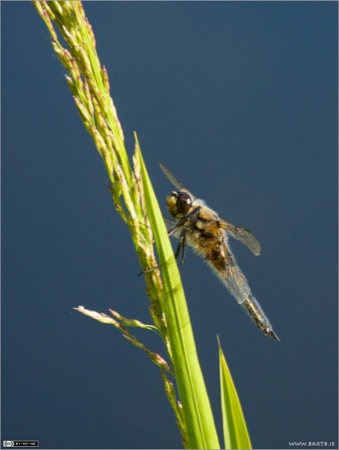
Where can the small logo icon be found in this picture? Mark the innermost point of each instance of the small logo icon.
(28, 443)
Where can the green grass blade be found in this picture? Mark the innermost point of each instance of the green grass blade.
(201, 432)
(234, 425)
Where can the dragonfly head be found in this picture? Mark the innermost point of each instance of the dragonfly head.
(178, 204)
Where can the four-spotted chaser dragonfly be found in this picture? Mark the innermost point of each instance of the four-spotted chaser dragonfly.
(200, 227)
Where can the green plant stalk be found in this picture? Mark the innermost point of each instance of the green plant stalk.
(134, 199)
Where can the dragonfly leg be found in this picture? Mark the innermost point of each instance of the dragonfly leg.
(181, 248)
(143, 272)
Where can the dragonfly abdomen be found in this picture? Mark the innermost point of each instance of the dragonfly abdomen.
(256, 313)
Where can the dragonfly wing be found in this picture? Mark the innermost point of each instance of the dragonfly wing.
(174, 180)
(227, 270)
(236, 282)
(243, 235)
(172, 228)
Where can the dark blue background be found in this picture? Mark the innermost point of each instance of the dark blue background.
(239, 99)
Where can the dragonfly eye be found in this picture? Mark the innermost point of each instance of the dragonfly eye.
(184, 202)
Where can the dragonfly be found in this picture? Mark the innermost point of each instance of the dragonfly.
(207, 234)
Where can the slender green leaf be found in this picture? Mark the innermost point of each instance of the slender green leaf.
(196, 406)
(234, 425)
